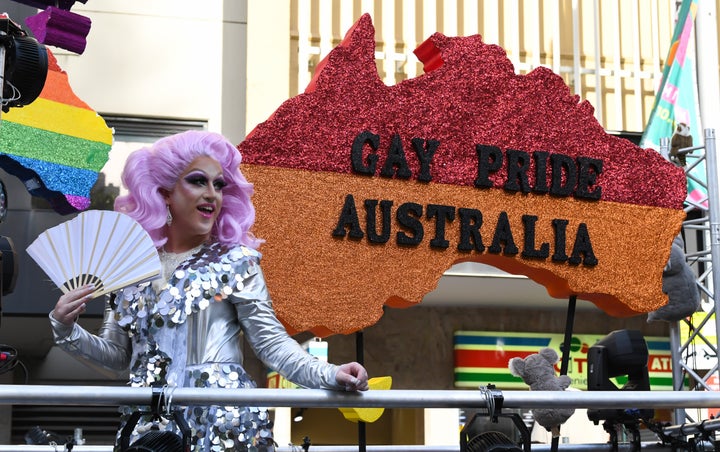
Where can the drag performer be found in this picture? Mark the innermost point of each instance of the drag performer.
(185, 328)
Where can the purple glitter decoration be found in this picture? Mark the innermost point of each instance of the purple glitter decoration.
(60, 28)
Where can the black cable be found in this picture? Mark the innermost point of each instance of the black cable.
(25, 371)
(8, 358)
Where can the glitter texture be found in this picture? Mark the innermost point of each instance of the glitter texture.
(56, 145)
(300, 162)
(57, 27)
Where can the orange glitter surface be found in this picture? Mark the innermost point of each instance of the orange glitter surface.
(468, 152)
(330, 285)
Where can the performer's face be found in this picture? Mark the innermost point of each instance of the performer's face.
(195, 203)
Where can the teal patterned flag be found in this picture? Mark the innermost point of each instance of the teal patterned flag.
(677, 102)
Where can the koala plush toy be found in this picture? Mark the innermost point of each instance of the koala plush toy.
(678, 282)
(538, 372)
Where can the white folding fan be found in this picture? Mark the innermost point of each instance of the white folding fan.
(102, 247)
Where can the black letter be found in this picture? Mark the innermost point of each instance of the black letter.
(485, 165)
(529, 250)
(560, 162)
(425, 157)
(560, 226)
(517, 169)
(590, 169)
(470, 223)
(410, 222)
(396, 157)
(348, 217)
(540, 158)
(583, 246)
(356, 153)
(371, 227)
(503, 234)
(442, 213)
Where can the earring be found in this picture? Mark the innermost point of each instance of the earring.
(169, 217)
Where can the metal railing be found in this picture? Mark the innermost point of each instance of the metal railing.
(649, 447)
(317, 398)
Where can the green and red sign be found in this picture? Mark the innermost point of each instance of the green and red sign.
(481, 358)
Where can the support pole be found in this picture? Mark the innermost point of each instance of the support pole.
(569, 325)
(360, 357)
(714, 212)
(675, 342)
(706, 60)
(677, 371)
(565, 360)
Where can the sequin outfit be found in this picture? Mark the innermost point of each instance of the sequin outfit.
(185, 330)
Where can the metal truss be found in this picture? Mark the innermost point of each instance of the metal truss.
(702, 232)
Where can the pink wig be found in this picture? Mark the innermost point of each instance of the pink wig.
(150, 169)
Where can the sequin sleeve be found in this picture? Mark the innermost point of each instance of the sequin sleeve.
(107, 352)
(271, 343)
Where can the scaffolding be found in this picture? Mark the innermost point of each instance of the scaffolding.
(705, 221)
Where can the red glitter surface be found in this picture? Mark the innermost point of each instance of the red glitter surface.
(471, 97)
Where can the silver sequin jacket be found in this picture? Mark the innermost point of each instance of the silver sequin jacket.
(196, 319)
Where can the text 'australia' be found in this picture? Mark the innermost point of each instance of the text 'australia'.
(524, 172)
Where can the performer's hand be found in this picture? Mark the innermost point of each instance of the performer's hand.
(72, 304)
(353, 377)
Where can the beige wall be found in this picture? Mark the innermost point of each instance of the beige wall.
(165, 58)
(268, 56)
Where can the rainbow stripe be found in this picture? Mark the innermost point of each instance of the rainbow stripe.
(57, 144)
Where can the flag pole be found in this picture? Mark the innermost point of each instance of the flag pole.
(708, 78)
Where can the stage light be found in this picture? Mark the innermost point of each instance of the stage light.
(299, 415)
(9, 270)
(492, 441)
(493, 433)
(24, 65)
(39, 436)
(621, 353)
(8, 258)
(157, 440)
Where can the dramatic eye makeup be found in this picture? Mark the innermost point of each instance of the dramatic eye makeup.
(219, 183)
(196, 179)
(200, 179)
